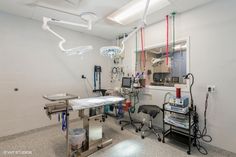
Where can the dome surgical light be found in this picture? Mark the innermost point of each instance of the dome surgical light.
(87, 17)
(112, 51)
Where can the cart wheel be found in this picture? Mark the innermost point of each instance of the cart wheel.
(159, 139)
(122, 128)
(142, 137)
(188, 152)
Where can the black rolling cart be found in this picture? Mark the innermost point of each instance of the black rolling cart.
(185, 132)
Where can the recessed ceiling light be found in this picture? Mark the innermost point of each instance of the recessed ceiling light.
(134, 10)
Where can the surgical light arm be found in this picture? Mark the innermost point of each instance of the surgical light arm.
(71, 51)
(130, 35)
(143, 23)
(120, 50)
(88, 25)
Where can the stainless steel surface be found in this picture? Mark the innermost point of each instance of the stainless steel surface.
(60, 97)
(81, 114)
(93, 126)
(78, 104)
(95, 129)
(62, 105)
(54, 108)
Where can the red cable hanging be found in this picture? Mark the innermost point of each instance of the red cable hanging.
(167, 38)
(142, 45)
(144, 48)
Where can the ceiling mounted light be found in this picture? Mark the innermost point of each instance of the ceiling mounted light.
(134, 10)
(77, 50)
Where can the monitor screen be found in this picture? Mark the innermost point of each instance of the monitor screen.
(126, 82)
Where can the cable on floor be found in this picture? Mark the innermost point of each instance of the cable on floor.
(202, 135)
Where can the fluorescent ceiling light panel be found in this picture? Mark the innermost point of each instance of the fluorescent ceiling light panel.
(134, 10)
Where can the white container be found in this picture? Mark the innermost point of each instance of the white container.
(77, 136)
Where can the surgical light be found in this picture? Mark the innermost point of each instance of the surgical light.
(110, 51)
(87, 17)
(134, 10)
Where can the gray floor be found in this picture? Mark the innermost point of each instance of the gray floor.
(50, 142)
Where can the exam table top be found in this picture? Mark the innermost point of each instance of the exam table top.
(59, 97)
(79, 104)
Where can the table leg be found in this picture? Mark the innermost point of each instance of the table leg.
(67, 129)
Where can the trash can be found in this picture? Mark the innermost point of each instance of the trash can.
(77, 136)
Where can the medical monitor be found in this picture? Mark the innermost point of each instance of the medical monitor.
(126, 82)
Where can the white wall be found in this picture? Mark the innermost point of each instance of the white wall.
(31, 61)
(212, 31)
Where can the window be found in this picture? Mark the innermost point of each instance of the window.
(157, 71)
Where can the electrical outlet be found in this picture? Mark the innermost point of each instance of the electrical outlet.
(211, 88)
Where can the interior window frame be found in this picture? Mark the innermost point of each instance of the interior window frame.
(184, 87)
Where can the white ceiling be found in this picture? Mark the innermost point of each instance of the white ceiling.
(102, 27)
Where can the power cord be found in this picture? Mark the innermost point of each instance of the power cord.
(198, 134)
(202, 135)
